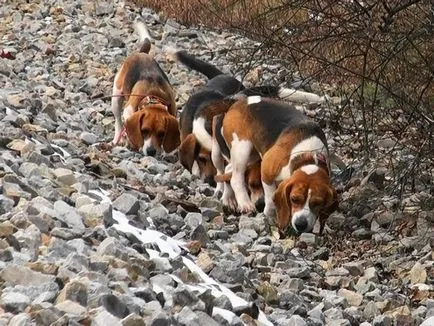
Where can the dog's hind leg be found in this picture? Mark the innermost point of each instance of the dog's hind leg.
(117, 102)
(241, 151)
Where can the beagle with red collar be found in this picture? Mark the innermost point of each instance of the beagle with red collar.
(143, 93)
(295, 168)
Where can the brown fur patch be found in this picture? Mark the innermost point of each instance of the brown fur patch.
(237, 120)
(188, 151)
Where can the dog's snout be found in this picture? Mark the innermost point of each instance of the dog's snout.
(151, 151)
(260, 204)
(210, 180)
(300, 225)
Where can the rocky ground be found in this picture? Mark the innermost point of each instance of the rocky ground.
(108, 237)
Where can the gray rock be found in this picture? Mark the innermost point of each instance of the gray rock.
(134, 320)
(339, 322)
(104, 318)
(15, 301)
(333, 314)
(114, 306)
(88, 138)
(20, 320)
(298, 272)
(308, 238)
(194, 219)
(65, 176)
(94, 214)
(228, 272)
(71, 308)
(199, 234)
(362, 234)
(127, 204)
(75, 290)
(316, 313)
(383, 320)
(371, 311)
(354, 268)
(289, 300)
(113, 247)
(322, 253)
(68, 215)
(162, 265)
(296, 320)
(427, 322)
(34, 291)
(20, 275)
(6, 204)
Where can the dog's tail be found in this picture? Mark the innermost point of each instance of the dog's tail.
(287, 94)
(205, 68)
(144, 37)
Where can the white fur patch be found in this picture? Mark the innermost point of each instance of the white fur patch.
(142, 31)
(240, 157)
(195, 169)
(116, 109)
(294, 95)
(128, 112)
(309, 145)
(253, 99)
(284, 173)
(202, 135)
(269, 190)
(146, 145)
(310, 169)
(304, 214)
(171, 52)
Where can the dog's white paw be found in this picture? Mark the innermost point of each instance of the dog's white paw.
(246, 207)
(269, 211)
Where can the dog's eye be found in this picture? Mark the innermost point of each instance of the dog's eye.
(160, 134)
(201, 159)
(145, 132)
(296, 200)
(315, 203)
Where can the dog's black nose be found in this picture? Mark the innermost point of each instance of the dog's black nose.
(151, 151)
(300, 225)
(260, 204)
(210, 180)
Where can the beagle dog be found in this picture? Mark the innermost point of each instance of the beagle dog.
(196, 117)
(149, 110)
(295, 168)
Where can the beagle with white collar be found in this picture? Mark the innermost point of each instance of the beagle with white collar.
(295, 168)
(150, 109)
(196, 117)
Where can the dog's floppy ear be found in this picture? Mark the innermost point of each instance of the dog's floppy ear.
(332, 204)
(188, 151)
(171, 136)
(283, 204)
(133, 127)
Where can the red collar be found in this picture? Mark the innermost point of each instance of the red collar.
(301, 160)
(152, 99)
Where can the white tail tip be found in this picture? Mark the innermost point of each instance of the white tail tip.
(142, 31)
(298, 96)
(171, 53)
